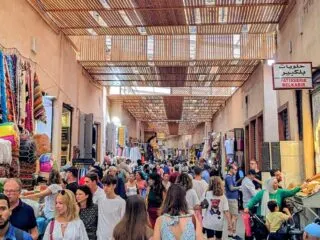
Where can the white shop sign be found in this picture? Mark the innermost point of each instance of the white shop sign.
(292, 75)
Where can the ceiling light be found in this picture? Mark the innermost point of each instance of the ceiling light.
(91, 31)
(96, 16)
(116, 121)
(245, 28)
(142, 30)
(270, 62)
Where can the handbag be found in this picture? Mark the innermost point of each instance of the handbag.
(51, 229)
(204, 204)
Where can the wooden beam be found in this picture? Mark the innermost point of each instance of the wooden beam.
(162, 80)
(283, 3)
(161, 74)
(202, 24)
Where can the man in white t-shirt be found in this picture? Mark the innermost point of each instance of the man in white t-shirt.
(198, 184)
(91, 180)
(111, 209)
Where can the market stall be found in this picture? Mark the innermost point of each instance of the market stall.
(21, 106)
(309, 200)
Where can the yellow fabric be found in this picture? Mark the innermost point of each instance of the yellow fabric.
(275, 219)
(7, 129)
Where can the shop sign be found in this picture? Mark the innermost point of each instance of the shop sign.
(292, 75)
(161, 135)
(121, 136)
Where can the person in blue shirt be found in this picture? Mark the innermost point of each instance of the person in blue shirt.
(232, 194)
(7, 231)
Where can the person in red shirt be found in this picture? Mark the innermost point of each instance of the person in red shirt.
(175, 174)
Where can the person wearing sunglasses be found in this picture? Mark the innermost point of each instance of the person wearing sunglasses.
(67, 225)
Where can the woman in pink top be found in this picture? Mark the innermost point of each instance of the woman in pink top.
(141, 183)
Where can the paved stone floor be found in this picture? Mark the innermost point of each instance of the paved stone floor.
(240, 229)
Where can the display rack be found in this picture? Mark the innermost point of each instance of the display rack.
(311, 206)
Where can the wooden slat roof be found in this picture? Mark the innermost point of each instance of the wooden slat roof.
(182, 44)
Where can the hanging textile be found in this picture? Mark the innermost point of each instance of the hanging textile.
(27, 160)
(3, 97)
(29, 99)
(39, 111)
(135, 154)
(5, 152)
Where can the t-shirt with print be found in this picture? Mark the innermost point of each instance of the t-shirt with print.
(213, 217)
(49, 201)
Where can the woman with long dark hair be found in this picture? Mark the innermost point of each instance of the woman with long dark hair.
(175, 221)
(88, 211)
(133, 225)
(155, 196)
(141, 183)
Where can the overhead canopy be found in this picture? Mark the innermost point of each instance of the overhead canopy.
(169, 44)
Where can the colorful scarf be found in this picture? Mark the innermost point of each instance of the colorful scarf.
(29, 100)
(39, 110)
(3, 97)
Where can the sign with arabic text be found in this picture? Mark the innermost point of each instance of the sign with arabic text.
(121, 136)
(292, 75)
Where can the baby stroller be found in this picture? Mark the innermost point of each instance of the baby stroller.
(257, 227)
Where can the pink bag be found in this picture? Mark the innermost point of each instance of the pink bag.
(10, 138)
(247, 225)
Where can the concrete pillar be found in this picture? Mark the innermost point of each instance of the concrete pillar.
(56, 131)
(105, 112)
(207, 129)
(270, 110)
(308, 143)
(117, 109)
(138, 128)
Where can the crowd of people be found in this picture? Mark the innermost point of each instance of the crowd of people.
(162, 201)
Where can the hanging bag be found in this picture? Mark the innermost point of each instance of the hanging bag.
(51, 229)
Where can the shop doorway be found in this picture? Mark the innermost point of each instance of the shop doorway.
(96, 140)
(66, 129)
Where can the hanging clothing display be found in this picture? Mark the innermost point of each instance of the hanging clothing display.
(135, 154)
(126, 152)
(39, 110)
(229, 145)
(5, 152)
(20, 105)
